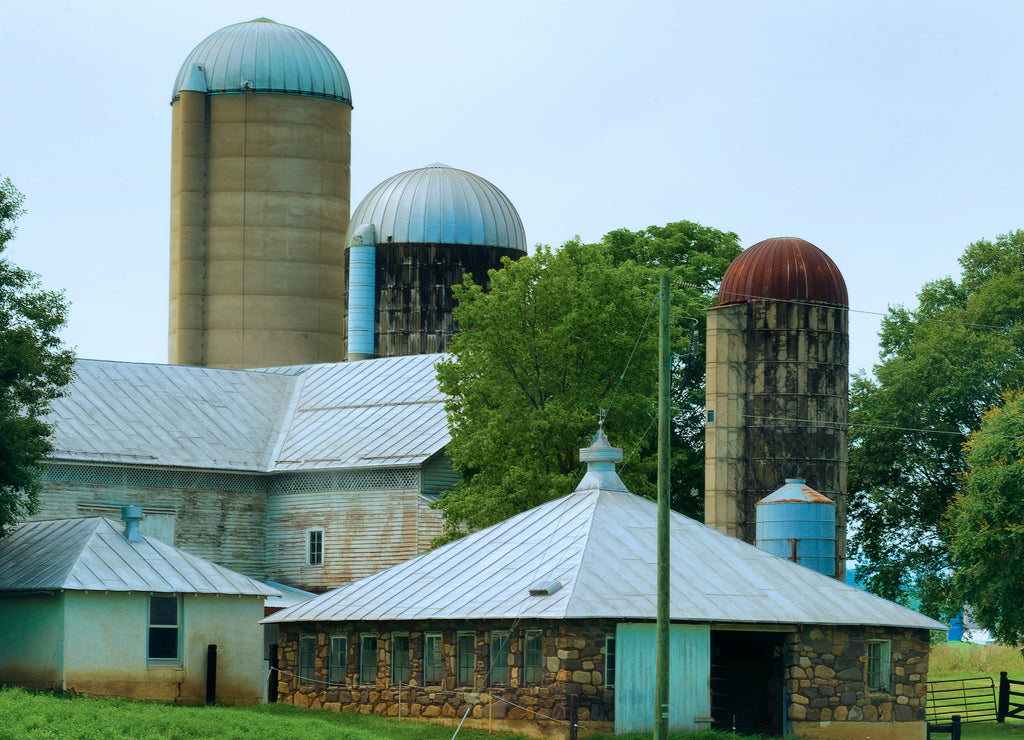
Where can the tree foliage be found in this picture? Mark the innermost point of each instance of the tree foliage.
(35, 368)
(561, 335)
(986, 524)
(941, 366)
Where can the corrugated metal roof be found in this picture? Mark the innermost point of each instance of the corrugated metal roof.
(439, 204)
(93, 554)
(374, 413)
(785, 268)
(600, 545)
(263, 56)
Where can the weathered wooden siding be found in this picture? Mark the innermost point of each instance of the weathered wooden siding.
(437, 476)
(689, 677)
(364, 531)
(224, 526)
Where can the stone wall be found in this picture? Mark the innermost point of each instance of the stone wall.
(827, 693)
(573, 664)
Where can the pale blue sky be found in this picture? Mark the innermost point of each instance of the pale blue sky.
(884, 132)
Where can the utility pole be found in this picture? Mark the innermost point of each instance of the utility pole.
(664, 429)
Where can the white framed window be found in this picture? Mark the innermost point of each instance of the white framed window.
(307, 657)
(533, 656)
(433, 665)
(339, 660)
(609, 661)
(368, 659)
(876, 671)
(400, 666)
(164, 621)
(499, 658)
(315, 546)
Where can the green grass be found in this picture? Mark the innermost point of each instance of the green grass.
(965, 659)
(35, 715)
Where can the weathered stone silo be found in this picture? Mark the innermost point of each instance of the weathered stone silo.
(413, 237)
(777, 384)
(259, 200)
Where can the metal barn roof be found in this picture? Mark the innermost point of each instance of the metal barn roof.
(599, 543)
(93, 554)
(263, 56)
(369, 414)
(438, 204)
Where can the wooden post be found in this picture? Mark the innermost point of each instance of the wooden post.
(211, 674)
(954, 729)
(274, 676)
(664, 495)
(574, 714)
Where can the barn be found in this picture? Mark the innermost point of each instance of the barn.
(92, 606)
(506, 625)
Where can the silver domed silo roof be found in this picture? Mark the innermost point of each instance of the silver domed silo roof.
(263, 56)
(438, 204)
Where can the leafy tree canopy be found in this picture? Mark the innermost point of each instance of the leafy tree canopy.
(941, 366)
(35, 368)
(559, 336)
(986, 524)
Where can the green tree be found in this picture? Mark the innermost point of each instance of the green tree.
(559, 336)
(986, 524)
(941, 366)
(35, 368)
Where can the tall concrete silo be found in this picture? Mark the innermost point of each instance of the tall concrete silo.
(410, 239)
(777, 384)
(259, 200)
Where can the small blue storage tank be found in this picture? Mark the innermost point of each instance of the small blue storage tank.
(798, 523)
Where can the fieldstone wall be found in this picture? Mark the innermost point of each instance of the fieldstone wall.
(573, 664)
(826, 671)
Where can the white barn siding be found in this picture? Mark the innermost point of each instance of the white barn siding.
(364, 532)
(227, 527)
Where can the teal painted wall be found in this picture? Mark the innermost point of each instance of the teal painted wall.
(32, 641)
(689, 677)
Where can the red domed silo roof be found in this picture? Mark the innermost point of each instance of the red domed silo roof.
(785, 268)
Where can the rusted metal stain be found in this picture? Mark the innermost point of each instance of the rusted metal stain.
(785, 268)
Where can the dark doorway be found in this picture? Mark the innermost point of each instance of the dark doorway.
(746, 681)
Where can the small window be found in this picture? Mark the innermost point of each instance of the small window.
(399, 659)
(368, 659)
(164, 635)
(609, 661)
(533, 656)
(467, 658)
(433, 665)
(315, 546)
(499, 658)
(339, 660)
(877, 669)
(307, 657)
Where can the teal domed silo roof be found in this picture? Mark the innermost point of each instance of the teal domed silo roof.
(438, 204)
(263, 56)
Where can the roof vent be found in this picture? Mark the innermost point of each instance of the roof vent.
(131, 516)
(544, 588)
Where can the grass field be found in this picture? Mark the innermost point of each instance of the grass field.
(35, 716)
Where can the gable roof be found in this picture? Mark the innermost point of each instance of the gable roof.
(374, 413)
(599, 543)
(93, 554)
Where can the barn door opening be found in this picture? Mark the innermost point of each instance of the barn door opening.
(747, 681)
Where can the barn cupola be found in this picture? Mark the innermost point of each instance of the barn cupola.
(601, 458)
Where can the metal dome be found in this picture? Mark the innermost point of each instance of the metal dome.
(439, 204)
(263, 56)
(785, 268)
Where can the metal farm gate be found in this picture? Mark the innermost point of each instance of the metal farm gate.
(689, 677)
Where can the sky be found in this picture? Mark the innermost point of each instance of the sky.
(886, 133)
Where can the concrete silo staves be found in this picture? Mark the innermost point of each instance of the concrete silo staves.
(259, 200)
(777, 384)
(411, 238)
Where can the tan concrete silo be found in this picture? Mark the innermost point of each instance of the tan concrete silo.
(777, 384)
(259, 200)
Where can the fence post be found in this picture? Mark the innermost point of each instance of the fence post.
(211, 674)
(954, 729)
(1004, 698)
(574, 714)
(273, 678)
